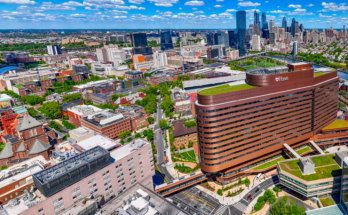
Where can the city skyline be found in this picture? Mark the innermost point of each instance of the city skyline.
(133, 14)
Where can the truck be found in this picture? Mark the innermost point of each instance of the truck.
(165, 156)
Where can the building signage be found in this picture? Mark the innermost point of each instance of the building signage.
(280, 78)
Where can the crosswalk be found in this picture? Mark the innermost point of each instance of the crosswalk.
(221, 210)
(240, 206)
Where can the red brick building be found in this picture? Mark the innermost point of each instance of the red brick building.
(182, 135)
(137, 114)
(76, 113)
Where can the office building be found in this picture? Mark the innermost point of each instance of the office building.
(231, 38)
(122, 38)
(271, 25)
(296, 27)
(265, 34)
(315, 38)
(142, 51)
(160, 59)
(284, 24)
(301, 28)
(272, 38)
(256, 43)
(264, 22)
(182, 135)
(293, 28)
(257, 20)
(233, 135)
(256, 30)
(54, 50)
(295, 48)
(216, 51)
(138, 39)
(116, 55)
(166, 41)
(80, 68)
(76, 113)
(251, 29)
(97, 173)
(102, 55)
(219, 38)
(240, 34)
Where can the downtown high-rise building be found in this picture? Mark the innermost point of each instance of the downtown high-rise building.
(294, 48)
(219, 38)
(272, 38)
(240, 34)
(284, 23)
(293, 27)
(231, 38)
(257, 19)
(54, 50)
(166, 40)
(271, 25)
(265, 34)
(301, 28)
(256, 43)
(264, 21)
(138, 39)
(344, 31)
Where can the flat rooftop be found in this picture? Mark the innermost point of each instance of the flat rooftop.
(127, 149)
(325, 167)
(338, 123)
(93, 83)
(98, 140)
(159, 203)
(83, 110)
(20, 176)
(226, 88)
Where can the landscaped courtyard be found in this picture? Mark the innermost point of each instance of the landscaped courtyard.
(265, 64)
(250, 67)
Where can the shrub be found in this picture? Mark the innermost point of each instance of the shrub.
(137, 135)
(122, 141)
(219, 192)
(129, 139)
(261, 199)
(258, 206)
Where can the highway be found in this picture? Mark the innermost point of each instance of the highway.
(160, 143)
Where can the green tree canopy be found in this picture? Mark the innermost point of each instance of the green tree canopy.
(51, 110)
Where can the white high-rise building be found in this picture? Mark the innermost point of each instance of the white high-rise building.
(54, 50)
(116, 55)
(271, 24)
(295, 48)
(315, 38)
(256, 42)
(160, 59)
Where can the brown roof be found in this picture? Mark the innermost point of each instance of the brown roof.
(180, 129)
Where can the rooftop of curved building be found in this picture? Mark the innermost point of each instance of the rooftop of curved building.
(9, 68)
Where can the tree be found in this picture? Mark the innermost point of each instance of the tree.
(137, 135)
(247, 182)
(122, 141)
(129, 139)
(145, 133)
(123, 134)
(261, 199)
(149, 134)
(72, 97)
(167, 105)
(269, 196)
(51, 110)
(147, 75)
(276, 189)
(150, 119)
(239, 181)
(68, 124)
(88, 102)
(55, 125)
(258, 206)
(33, 100)
(163, 123)
(32, 112)
(189, 124)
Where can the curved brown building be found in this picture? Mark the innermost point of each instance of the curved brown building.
(242, 124)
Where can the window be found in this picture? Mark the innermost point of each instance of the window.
(73, 191)
(60, 199)
(139, 154)
(55, 202)
(16, 186)
(16, 194)
(40, 210)
(139, 159)
(5, 198)
(56, 208)
(150, 152)
(79, 194)
(141, 167)
(61, 205)
(30, 133)
(77, 189)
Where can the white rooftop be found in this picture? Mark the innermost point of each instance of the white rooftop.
(4, 97)
(19, 176)
(125, 150)
(84, 110)
(140, 203)
(299, 63)
(94, 83)
(97, 140)
(182, 103)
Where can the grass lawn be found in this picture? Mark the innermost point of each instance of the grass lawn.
(327, 201)
(269, 164)
(304, 150)
(225, 89)
(325, 171)
(192, 153)
(265, 64)
(250, 67)
(319, 74)
(339, 123)
(2, 146)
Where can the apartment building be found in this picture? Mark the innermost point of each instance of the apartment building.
(182, 135)
(76, 113)
(95, 172)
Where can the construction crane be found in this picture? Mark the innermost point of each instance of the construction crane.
(209, 46)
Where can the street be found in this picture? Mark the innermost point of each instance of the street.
(160, 144)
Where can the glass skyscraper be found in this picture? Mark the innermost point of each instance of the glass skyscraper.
(257, 19)
(240, 34)
(231, 38)
(293, 27)
(219, 38)
(284, 24)
(166, 41)
(138, 40)
(264, 21)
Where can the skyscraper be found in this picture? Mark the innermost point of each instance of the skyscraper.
(296, 27)
(138, 40)
(272, 38)
(294, 48)
(265, 34)
(54, 50)
(241, 32)
(256, 42)
(284, 23)
(257, 19)
(219, 38)
(264, 21)
(301, 28)
(293, 27)
(344, 31)
(231, 38)
(166, 40)
(271, 24)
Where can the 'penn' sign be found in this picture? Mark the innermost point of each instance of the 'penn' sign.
(280, 78)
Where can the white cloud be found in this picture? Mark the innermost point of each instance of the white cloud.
(8, 17)
(99, 13)
(220, 0)
(295, 6)
(100, 2)
(194, 8)
(195, 3)
(310, 5)
(218, 5)
(45, 6)
(92, 9)
(78, 15)
(300, 12)
(266, 1)
(248, 4)
(73, 4)
(278, 11)
(132, 7)
(180, 8)
(163, 5)
(231, 10)
(116, 12)
(323, 16)
(186, 14)
(18, 2)
(333, 7)
(120, 17)
(196, 12)
(136, 1)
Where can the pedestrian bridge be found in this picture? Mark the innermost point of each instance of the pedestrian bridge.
(180, 183)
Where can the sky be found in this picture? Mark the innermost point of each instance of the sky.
(165, 14)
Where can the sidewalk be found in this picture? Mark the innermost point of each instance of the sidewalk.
(231, 200)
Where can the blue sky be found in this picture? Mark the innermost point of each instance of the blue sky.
(154, 14)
